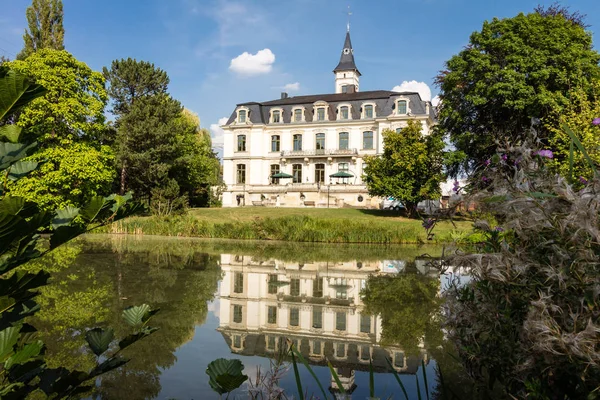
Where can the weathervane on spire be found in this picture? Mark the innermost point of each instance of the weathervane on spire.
(348, 24)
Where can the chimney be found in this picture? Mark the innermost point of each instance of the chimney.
(284, 95)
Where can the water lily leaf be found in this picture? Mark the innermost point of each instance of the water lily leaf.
(28, 352)
(64, 216)
(10, 132)
(134, 315)
(99, 339)
(21, 169)
(225, 375)
(17, 91)
(93, 208)
(134, 337)
(10, 153)
(8, 338)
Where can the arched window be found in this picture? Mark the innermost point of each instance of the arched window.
(401, 110)
(320, 141)
(343, 142)
(241, 116)
(241, 143)
(298, 115)
(275, 143)
(297, 142)
(369, 111)
(321, 114)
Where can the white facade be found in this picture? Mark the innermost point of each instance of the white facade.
(311, 138)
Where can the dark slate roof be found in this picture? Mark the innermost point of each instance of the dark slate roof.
(383, 99)
(347, 60)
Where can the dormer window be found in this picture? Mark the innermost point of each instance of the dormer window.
(344, 112)
(242, 116)
(368, 111)
(401, 108)
(276, 116)
(321, 114)
(297, 115)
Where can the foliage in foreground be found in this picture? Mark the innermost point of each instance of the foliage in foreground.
(410, 168)
(529, 318)
(23, 369)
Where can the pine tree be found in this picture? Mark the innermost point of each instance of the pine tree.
(46, 30)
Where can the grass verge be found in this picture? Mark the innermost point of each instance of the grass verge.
(315, 225)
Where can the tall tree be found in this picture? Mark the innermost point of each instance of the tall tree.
(68, 123)
(148, 142)
(514, 71)
(46, 30)
(410, 168)
(129, 80)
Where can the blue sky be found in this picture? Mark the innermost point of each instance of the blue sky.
(290, 42)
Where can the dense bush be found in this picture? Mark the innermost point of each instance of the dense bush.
(529, 317)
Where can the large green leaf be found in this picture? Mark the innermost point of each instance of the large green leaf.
(96, 206)
(16, 91)
(99, 339)
(24, 355)
(134, 315)
(64, 216)
(63, 234)
(108, 365)
(8, 338)
(10, 153)
(10, 132)
(21, 169)
(134, 337)
(225, 375)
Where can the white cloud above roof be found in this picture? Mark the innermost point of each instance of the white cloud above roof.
(435, 101)
(292, 87)
(413, 86)
(247, 64)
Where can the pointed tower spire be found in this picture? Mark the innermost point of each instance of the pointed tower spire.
(347, 58)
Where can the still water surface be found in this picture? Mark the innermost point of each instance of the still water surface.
(239, 300)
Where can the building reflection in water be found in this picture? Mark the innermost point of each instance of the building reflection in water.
(315, 305)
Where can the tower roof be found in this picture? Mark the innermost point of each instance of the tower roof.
(347, 59)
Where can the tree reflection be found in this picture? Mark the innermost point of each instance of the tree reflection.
(93, 287)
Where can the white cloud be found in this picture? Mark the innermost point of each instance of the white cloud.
(292, 87)
(216, 133)
(413, 86)
(435, 101)
(247, 64)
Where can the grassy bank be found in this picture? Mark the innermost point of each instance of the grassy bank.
(297, 225)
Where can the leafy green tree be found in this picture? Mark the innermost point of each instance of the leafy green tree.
(68, 123)
(410, 168)
(512, 72)
(23, 369)
(578, 114)
(128, 80)
(72, 108)
(199, 164)
(148, 139)
(46, 30)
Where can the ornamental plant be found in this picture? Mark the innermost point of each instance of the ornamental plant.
(23, 369)
(528, 318)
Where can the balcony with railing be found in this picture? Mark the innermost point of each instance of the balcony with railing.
(319, 153)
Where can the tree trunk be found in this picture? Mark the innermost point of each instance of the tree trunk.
(123, 177)
(411, 209)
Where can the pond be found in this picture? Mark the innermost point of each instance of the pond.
(247, 300)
